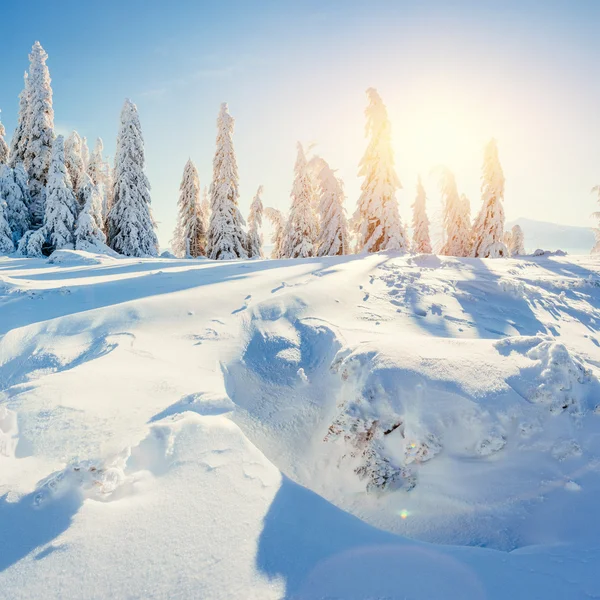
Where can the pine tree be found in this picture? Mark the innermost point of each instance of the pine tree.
(254, 239)
(456, 219)
(39, 130)
(131, 227)
(333, 238)
(420, 223)
(85, 153)
(101, 174)
(488, 230)
(189, 238)
(6, 238)
(19, 139)
(205, 208)
(516, 245)
(278, 221)
(88, 231)
(74, 160)
(301, 227)
(225, 232)
(376, 220)
(14, 193)
(61, 204)
(3, 146)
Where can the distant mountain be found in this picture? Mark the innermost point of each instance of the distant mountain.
(551, 236)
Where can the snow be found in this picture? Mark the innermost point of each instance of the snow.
(376, 426)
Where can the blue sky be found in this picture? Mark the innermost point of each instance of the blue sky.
(452, 73)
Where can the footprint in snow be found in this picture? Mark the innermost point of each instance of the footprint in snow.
(279, 287)
(242, 308)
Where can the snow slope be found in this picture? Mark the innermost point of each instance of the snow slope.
(348, 427)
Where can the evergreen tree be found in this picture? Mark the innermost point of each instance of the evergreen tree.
(488, 231)
(278, 221)
(254, 239)
(516, 245)
(101, 174)
(333, 238)
(61, 204)
(3, 146)
(19, 139)
(376, 220)
(88, 231)
(456, 219)
(205, 208)
(225, 232)
(39, 130)
(189, 238)
(74, 160)
(85, 153)
(6, 238)
(420, 222)
(301, 227)
(131, 227)
(14, 194)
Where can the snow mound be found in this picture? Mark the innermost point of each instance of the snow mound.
(9, 432)
(81, 257)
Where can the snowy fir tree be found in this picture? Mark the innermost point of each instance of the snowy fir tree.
(376, 220)
(488, 230)
(3, 145)
(39, 131)
(278, 221)
(74, 160)
(131, 227)
(301, 227)
(421, 242)
(100, 173)
(333, 238)
(85, 153)
(189, 238)
(61, 204)
(205, 208)
(456, 217)
(19, 139)
(89, 234)
(14, 195)
(6, 240)
(226, 235)
(516, 241)
(254, 238)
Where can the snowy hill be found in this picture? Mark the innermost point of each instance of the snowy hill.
(354, 427)
(552, 236)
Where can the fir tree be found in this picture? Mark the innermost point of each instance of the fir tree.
(488, 231)
(61, 204)
(516, 245)
(376, 220)
(3, 146)
(333, 237)
(131, 227)
(278, 221)
(19, 139)
(14, 193)
(456, 219)
(85, 153)
(89, 235)
(74, 160)
(39, 130)
(205, 208)
(6, 238)
(301, 227)
(254, 239)
(420, 223)
(189, 238)
(225, 232)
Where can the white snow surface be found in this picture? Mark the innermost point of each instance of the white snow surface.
(381, 427)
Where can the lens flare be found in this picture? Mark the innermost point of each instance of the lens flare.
(403, 514)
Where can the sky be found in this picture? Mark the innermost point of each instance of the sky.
(452, 73)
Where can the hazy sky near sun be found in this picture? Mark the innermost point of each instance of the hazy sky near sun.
(452, 74)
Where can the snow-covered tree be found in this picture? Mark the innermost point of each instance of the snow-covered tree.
(226, 235)
(456, 217)
(301, 227)
(516, 241)
(333, 237)
(421, 242)
(19, 139)
(74, 160)
(14, 193)
(131, 227)
(6, 239)
(189, 238)
(205, 208)
(101, 174)
(61, 204)
(3, 146)
(278, 221)
(88, 231)
(85, 153)
(39, 130)
(488, 230)
(254, 239)
(376, 220)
